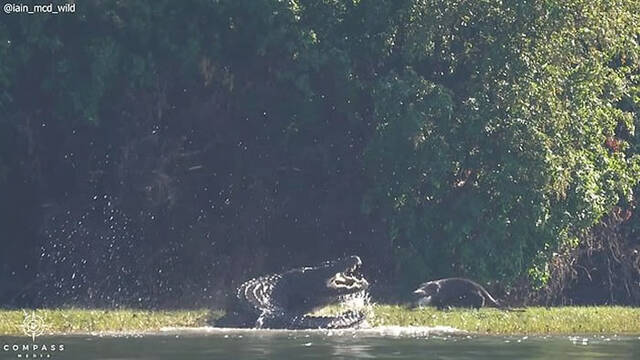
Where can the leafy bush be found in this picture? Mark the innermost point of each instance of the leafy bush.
(239, 137)
(494, 140)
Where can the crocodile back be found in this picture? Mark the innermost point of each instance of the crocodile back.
(257, 293)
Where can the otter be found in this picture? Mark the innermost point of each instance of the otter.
(454, 292)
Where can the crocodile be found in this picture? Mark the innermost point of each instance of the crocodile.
(284, 300)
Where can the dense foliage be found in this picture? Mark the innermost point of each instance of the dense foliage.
(156, 153)
(506, 136)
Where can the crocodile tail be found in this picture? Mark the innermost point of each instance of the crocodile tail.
(344, 320)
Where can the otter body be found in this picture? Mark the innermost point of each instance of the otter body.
(454, 292)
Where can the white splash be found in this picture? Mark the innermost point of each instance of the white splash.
(378, 331)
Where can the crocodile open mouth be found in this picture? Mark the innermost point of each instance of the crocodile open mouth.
(349, 279)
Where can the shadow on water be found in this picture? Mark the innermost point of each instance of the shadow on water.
(266, 344)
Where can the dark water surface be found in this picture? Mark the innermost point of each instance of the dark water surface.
(325, 345)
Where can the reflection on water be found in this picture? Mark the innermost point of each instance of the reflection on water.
(369, 344)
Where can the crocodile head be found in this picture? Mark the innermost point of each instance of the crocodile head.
(347, 279)
(312, 287)
(286, 299)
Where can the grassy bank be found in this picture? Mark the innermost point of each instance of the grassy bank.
(84, 321)
(534, 320)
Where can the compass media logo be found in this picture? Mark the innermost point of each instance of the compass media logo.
(33, 325)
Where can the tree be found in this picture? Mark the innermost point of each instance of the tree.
(491, 144)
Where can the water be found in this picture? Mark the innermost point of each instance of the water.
(371, 344)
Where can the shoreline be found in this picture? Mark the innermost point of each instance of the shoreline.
(569, 320)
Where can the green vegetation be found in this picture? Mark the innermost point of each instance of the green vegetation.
(504, 135)
(234, 137)
(87, 321)
(533, 320)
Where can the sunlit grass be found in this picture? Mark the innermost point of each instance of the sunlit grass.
(532, 320)
(87, 321)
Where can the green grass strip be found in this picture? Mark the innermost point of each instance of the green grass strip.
(87, 321)
(533, 320)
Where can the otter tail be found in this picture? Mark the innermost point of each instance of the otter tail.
(492, 301)
(495, 303)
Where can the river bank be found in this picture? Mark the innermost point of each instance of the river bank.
(529, 321)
